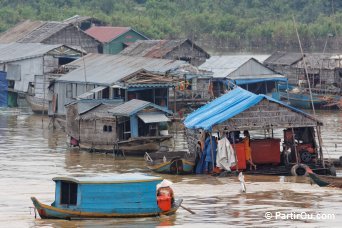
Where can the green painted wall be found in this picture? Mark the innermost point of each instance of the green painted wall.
(117, 45)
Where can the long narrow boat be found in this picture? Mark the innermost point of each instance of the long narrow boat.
(325, 181)
(303, 100)
(170, 162)
(122, 195)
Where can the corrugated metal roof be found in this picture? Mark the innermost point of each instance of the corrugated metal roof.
(91, 92)
(85, 107)
(99, 112)
(16, 51)
(130, 107)
(320, 61)
(77, 19)
(108, 69)
(106, 33)
(133, 106)
(153, 117)
(19, 31)
(43, 32)
(155, 48)
(228, 106)
(238, 67)
(283, 58)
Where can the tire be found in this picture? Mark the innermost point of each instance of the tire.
(299, 170)
(305, 156)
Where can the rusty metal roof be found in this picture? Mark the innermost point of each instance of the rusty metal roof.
(104, 69)
(32, 31)
(106, 33)
(156, 48)
(45, 31)
(19, 31)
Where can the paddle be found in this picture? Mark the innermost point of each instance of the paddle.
(187, 209)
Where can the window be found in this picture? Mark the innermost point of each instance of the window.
(68, 91)
(107, 128)
(68, 193)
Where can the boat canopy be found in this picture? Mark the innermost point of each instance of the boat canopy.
(229, 105)
(118, 178)
(153, 117)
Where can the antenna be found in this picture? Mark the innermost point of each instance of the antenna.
(305, 66)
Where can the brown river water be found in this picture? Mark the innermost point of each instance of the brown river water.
(31, 154)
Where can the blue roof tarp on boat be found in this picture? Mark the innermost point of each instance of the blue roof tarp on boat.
(225, 107)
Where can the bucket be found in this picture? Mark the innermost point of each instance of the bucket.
(164, 202)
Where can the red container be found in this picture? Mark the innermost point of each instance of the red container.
(241, 156)
(266, 151)
(164, 203)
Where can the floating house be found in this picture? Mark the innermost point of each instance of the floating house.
(320, 73)
(241, 110)
(183, 49)
(103, 76)
(133, 127)
(30, 67)
(115, 39)
(241, 70)
(51, 32)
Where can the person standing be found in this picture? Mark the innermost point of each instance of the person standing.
(248, 150)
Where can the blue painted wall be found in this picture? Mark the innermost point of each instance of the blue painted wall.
(125, 198)
(3, 89)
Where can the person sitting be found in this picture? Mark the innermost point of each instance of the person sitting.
(164, 189)
(248, 150)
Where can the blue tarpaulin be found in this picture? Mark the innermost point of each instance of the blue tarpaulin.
(3, 89)
(226, 107)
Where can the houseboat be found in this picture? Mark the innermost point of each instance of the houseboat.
(318, 72)
(122, 195)
(132, 127)
(241, 110)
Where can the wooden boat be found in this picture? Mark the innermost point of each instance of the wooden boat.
(170, 162)
(122, 195)
(303, 100)
(38, 105)
(325, 181)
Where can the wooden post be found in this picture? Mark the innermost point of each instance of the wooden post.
(211, 150)
(236, 159)
(294, 143)
(320, 144)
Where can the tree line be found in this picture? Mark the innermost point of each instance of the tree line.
(218, 25)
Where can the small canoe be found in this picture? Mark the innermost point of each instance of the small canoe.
(171, 162)
(325, 181)
(119, 196)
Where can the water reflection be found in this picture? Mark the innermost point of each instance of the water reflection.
(31, 154)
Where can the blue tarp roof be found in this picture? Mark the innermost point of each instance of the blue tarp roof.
(226, 107)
